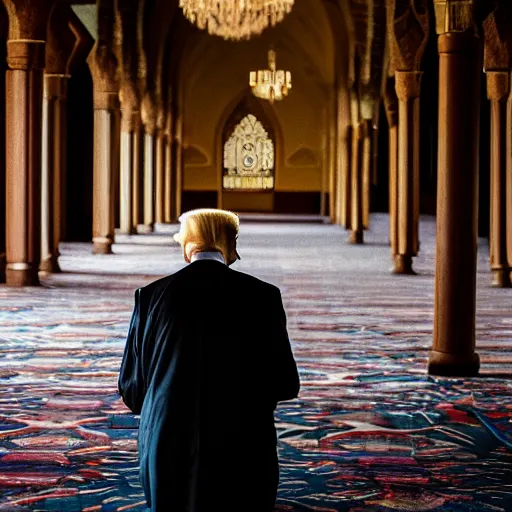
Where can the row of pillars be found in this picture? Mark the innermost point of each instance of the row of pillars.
(126, 154)
(460, 64)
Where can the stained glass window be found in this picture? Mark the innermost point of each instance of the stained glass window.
(249, 157)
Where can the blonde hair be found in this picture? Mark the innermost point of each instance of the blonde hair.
(209, 230)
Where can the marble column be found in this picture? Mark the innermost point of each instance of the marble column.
(106, 149)
(54, 167)
(24, 100)
(498, 89)
(453, 351)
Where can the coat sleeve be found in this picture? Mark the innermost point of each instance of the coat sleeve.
(286, 376)
(131, 381)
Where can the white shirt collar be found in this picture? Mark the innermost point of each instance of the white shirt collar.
(208, 255)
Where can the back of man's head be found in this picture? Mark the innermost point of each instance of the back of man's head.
(209, 230)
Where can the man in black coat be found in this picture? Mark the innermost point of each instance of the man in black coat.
(206, 361)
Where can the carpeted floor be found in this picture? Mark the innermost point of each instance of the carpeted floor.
(370, 431)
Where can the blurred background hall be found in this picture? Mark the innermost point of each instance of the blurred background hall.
(365, 144)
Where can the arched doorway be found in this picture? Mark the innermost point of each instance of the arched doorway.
(248, 160)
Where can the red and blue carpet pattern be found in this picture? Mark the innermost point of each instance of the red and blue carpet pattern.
(370, 431)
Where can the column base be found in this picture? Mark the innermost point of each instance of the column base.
(501, 278)
(102, 246)
(453, 365)
(18, 277)
(145, 229)
(50, 265)
(356, 237)
(403, 265)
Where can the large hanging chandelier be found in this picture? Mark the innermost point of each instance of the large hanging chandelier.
(235, 19)
(270, 84)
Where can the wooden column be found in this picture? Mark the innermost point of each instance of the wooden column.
(359, 128)
(391, 105)
(137, 178)
(498, 89)
(178, 155)
(453, 351)
(128, 59)
(168, 172)
(160, 143)
(497, 33)
(130, 159)
(54, 168)
(106, 145)
(24, 98)
(408, 205)
(405, 18)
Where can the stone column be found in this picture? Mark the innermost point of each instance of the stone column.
(66, 39)
(391, 105)
(332, 146)
(406, 51)
(498, 89)
(498, 38)
(160, 151)
(453, 351)
(130, 159)
(168, 172)
(408, 205)
(24, 100)
(346, 179)
(359, 134)
(137, 178)
(106, 145)
(178, 158)
(149, 120)
(128, 58)
(54, 168)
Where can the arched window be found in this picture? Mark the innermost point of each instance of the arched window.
(248, 157)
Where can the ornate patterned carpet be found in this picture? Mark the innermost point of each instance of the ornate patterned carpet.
(370, 431)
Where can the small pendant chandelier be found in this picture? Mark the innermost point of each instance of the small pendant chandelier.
(235, 19)
(270, 84)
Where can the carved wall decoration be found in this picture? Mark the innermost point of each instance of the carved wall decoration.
(249, 157)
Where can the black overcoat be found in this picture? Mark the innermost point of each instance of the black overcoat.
(206, 361)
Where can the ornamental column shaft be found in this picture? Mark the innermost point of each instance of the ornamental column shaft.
(54, 168)
(453, 351)
(160, 151)
(391, 105)
(106, 146)
(408, 26)
(168, 171)
(356, 187)
(24, 99)
(498, 89)
(407, 85)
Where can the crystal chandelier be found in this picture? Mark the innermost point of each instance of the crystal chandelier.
(235, 19)
(270, 84)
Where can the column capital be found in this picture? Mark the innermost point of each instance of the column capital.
(498, 85)
(56, 86)
(25, 54)
(130, 107)
(103, 66)
(408, 84)
(497, 33)
(149, 113)
(28, 19)
(408, 26)
(454, 16)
